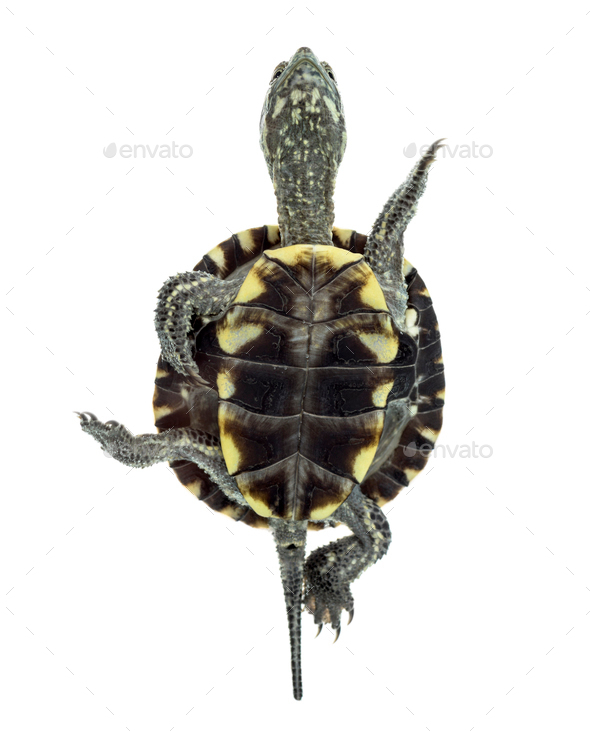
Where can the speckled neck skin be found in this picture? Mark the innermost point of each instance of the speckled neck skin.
(303, 137)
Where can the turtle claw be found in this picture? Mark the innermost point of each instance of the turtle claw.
(85, 416)
(350, 616)
(326, 606)
(114, 438)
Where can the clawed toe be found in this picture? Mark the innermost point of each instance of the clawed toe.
(327, 609)
(85, 416)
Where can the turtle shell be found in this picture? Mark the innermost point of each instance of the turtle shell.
(306, 381)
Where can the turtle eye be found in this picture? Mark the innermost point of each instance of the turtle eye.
(329, 71)
(277, 72)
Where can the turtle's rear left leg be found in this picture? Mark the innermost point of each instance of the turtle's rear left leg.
(331, 569)
(144, 450)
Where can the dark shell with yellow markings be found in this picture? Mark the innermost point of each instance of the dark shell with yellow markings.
(306, 381)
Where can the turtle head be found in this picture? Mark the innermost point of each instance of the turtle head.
(302, 116)
(303, 137)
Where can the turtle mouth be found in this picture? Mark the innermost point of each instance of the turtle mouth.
(304, 69)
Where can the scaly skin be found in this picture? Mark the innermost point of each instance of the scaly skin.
(331, 569)
(303, 138)
(182, 298)
(145, 450)
(384, 250)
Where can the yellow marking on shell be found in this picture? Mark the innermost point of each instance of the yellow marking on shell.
(371, 293)
(232, 511)
(164, 410)
(272, 234)
(333, 257)
(407, 267)
(363, 461)
(440, 394)
(332, 107)
(410, 473)
(381, 393)
(218, 256)
(291, 255)
(279, 104)
(343, 234)
(229, 447)
(185, 393)
(246, 241)
(257, 505)
(252, 287)
(161, 373)
(195, 487)
(383, 345)
(411, 320)
(325, 511)
(424, 293)
(428, 433)
(365, 455)
(225, 385)
(233, 335)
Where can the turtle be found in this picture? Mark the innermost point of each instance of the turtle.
(300, 383)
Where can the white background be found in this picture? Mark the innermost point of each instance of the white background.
(131, 605)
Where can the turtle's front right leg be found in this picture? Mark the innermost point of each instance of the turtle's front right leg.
(144, 450)
(384, 250)
(183, 298)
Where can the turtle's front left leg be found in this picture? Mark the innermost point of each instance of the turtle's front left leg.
(181, 299)
(331, 569)
(144, 450)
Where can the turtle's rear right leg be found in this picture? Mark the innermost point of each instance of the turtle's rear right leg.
(331, 569)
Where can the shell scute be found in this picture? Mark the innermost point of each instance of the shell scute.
(291, 363)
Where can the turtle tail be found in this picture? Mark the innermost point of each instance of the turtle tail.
(290, 540)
